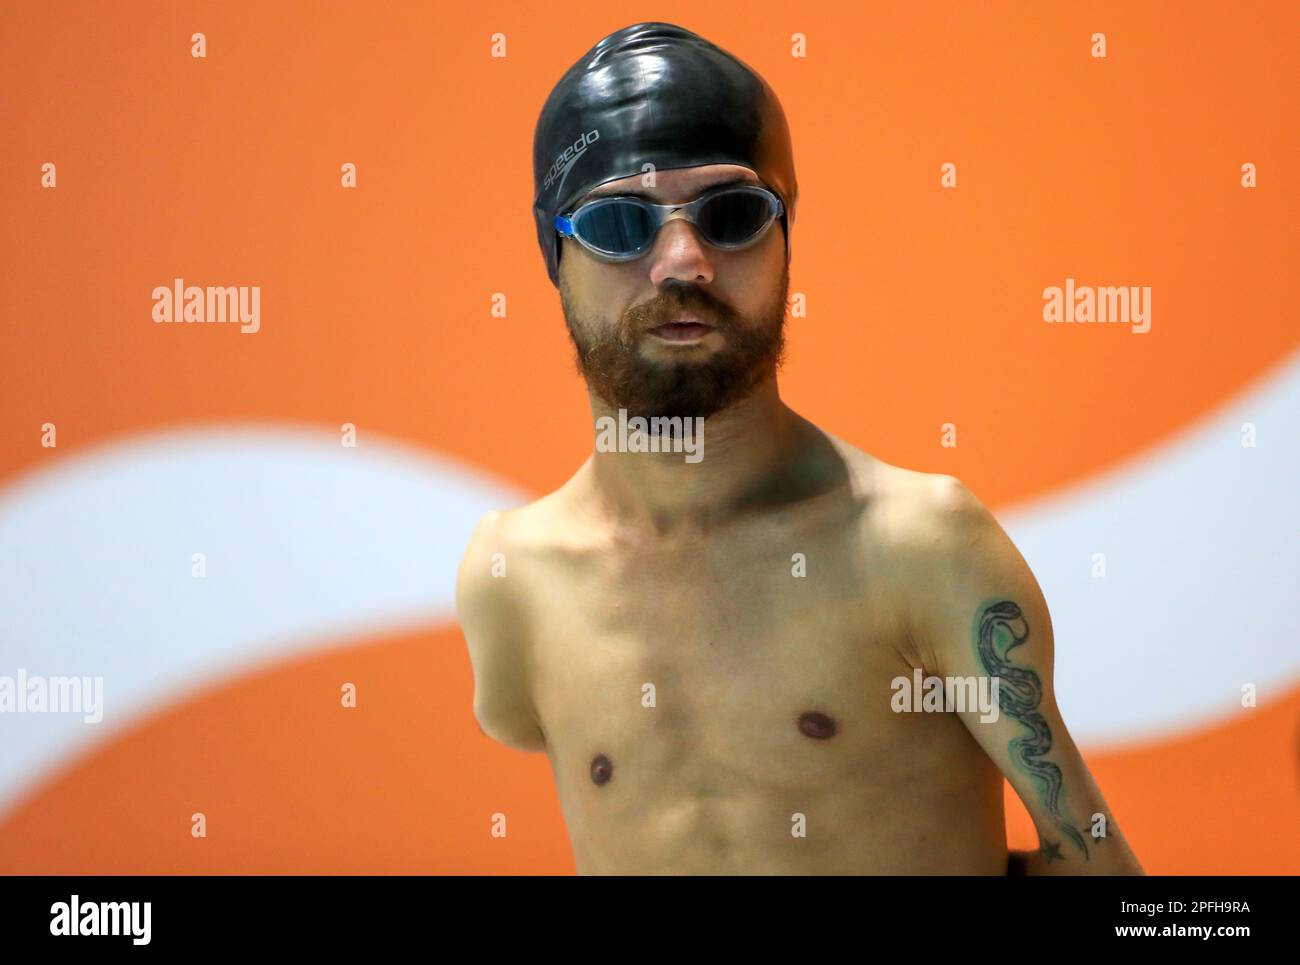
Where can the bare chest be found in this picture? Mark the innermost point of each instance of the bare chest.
(743, 665)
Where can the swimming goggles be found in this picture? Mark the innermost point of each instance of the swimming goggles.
(624, 228)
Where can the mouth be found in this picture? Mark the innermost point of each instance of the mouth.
(688, 328)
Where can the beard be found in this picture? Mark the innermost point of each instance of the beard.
(608, 359)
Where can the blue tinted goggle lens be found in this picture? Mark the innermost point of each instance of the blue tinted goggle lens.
(619, 227)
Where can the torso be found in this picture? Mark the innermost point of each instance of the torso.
(707, 710)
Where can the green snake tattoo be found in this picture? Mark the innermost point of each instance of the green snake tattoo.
(1020, 691)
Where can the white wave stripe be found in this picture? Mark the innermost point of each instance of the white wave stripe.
(308, 545)
(1201, 538)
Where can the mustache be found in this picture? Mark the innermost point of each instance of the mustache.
(672, 302)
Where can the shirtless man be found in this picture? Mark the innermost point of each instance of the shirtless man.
(710, 651)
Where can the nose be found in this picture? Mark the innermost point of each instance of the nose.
(679, 253)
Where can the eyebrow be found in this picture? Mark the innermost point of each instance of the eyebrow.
(607, 192)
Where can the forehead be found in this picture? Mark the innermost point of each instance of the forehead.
(675, 184)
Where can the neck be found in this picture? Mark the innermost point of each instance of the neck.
(747, 449)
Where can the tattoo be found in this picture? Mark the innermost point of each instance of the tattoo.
(1020, 691)
(1051, 850)
(1089, 831)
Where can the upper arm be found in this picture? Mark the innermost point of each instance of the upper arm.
(488, 608)
(986, 622)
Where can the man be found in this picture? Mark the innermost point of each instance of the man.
(717, 638)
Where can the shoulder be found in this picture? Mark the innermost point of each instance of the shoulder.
(951, 559)
(502, 546)
(924, 516)
(918, 514)
(538, 532)
(939, 551)
(509, 550)
(481, 590)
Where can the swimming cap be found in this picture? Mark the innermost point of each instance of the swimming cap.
(654, 93)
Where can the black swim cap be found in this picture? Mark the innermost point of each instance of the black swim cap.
(654, 93)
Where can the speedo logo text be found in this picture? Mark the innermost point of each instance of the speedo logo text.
(569, 157)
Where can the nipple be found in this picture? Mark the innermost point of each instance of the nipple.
(817, 725)
(601, 769)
